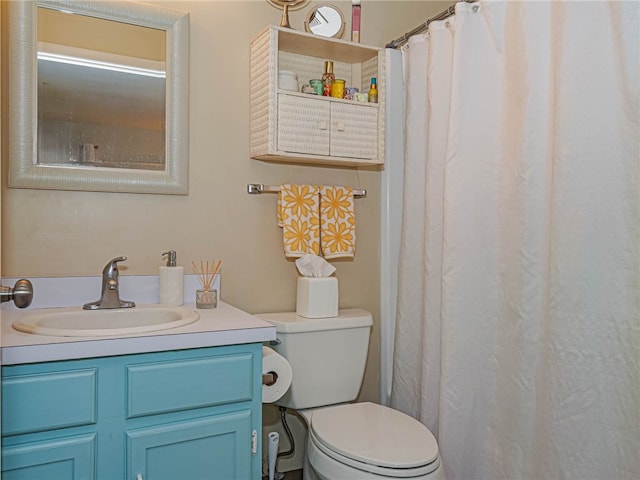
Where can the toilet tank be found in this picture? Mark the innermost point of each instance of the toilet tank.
(327, 356)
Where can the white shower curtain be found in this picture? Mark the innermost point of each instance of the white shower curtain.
(518, 323)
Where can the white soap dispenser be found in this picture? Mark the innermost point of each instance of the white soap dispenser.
(171, 285)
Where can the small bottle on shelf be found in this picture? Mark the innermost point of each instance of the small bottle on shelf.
(373, 91)
(328, 77)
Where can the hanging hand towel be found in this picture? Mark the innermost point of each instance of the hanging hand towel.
(337, 222)
(299, 217)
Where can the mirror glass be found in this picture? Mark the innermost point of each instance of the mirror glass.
(326, 21)
(101, 92)
(100, 97)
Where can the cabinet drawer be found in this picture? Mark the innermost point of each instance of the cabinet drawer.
(34, 403)
(185, 384)
(303, 125)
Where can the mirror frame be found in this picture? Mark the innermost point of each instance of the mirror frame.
(23, 169)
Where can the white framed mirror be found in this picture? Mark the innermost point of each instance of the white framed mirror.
(85, 114)
(326, 21)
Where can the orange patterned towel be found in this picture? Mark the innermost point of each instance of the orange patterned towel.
(299, 217)
(337, 222)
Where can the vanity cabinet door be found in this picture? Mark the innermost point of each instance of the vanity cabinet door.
(303, 125)
(213, 448)
(354, 131)
(66, 458)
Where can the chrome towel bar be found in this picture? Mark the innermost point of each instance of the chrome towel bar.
(255, 188)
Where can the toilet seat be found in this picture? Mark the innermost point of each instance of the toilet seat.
(375, 439)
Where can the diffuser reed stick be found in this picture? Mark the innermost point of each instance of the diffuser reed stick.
(206, 272)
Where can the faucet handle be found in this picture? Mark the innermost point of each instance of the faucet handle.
(111, 268)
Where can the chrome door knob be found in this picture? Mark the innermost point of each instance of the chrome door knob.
(21, 293)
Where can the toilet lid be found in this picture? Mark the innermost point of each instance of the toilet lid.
(374, 434)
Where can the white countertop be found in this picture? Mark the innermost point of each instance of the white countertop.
(224, 325)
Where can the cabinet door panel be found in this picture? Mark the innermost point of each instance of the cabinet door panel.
(35, 403)
(354, 131)
(303, 125)
(211, 448)
(70, 458)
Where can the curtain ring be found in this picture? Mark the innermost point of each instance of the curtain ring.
(475, 8)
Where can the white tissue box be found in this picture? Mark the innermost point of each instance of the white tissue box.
(317, 297)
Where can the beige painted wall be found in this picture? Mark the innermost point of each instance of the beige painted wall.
(56, 233)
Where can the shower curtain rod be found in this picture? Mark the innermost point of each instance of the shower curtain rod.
(422, 28)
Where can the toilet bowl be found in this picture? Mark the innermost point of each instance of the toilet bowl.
(347, 441)
(366, 441)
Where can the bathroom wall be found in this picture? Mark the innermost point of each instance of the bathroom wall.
(56, 233)
(2, 132)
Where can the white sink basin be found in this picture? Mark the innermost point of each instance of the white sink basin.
(75, 322)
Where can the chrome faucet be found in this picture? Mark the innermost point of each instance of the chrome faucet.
(110, 294)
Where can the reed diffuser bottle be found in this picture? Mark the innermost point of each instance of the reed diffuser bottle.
(207, 296)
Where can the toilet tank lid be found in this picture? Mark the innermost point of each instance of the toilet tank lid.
(289, 322)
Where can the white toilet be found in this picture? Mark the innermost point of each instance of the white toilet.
(347, 441)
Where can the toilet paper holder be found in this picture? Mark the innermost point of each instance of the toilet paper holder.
(269, 379)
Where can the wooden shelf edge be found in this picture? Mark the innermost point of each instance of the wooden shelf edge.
(317, 160)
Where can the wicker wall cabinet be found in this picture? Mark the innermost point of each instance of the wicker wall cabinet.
(288, 126)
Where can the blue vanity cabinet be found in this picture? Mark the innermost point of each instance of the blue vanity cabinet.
(187, 414)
